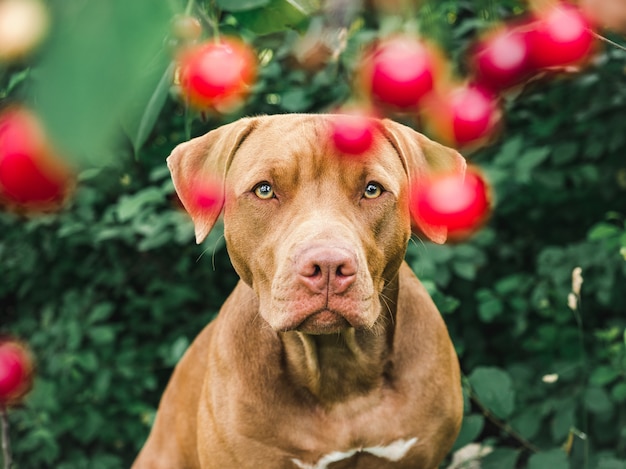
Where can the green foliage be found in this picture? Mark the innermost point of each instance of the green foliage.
(110, 292)
(97, 64)
(271, 16)
(89, 289)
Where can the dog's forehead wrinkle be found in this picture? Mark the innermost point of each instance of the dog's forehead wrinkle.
(306, 143)
(397, 151)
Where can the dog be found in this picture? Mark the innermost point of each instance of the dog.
(329, 353)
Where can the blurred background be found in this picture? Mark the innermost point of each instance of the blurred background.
(108, 288)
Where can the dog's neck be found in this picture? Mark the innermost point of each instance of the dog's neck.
(334, 367)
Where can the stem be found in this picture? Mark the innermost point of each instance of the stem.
(6, 444)
(210, 17)
(608, 41)
(505, 427)
(189, 7)
(585, 363)
(214, 16)
(621, 444)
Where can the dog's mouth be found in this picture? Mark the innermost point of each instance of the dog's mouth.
(323, 322)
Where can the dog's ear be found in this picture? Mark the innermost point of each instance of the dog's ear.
(422, 159)
(199, 169)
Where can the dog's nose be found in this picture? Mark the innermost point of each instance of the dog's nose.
(327, 269)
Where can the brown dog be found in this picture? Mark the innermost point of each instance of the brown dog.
(329, 353)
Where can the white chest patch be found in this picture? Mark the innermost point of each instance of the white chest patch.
(393, 452)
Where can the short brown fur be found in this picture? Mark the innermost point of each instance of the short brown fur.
(286, 375)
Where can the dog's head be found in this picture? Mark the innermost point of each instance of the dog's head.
(317, 235)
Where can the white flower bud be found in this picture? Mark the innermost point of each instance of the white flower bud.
(577, 280)
(551, 378)
(572, 301)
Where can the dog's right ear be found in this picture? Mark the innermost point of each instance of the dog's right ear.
(200, 165)
(423, 158)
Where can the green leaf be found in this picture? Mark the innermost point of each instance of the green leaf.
(528, 423)
(468, 252)
(618, 393)
(565, 153)
(607, 462)
(306, 7)
(101, 312)
(597, 400)
(102, 382)
(154, 241)
(153, 108)
(532, 158)
(41, 440)
(88, 361)
(17, 79)
(131, 205)
(489, 306)
(585, 174)
(603, 231)
(276, 16)
(465, 269)
(500, 458)
(509, 151)
(94, 65)
(595, 148)
(101, 335)
(240, 5)
(493, 387)
(563, 421)
(511, 284)
(470, 430)
(295, 100)
(445, 304)
(177, 350)
(43, 395)
(88, 427)
(74, 335)
(553, 459)
(603, 375)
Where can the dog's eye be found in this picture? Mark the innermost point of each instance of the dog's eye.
(372, 190)
(264, 191)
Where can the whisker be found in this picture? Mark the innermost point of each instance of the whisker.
(215, 250)
(202, 254)
(205, 250)
(386, 302)
(413, 239)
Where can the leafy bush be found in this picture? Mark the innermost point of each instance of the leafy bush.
(110, 292)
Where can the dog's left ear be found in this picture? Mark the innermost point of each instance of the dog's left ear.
(199, 169)
(422, 159)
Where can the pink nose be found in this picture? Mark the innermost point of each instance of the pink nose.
(327, 269)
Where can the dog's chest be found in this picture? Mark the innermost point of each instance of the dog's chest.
(392, 452)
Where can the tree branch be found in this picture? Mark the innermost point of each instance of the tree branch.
(505, 427)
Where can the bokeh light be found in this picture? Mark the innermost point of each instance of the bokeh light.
(399, 72)
(461, 203)
(32, 177)
(23, 25)
(16, 371)
(352, 131)
(217, 74)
